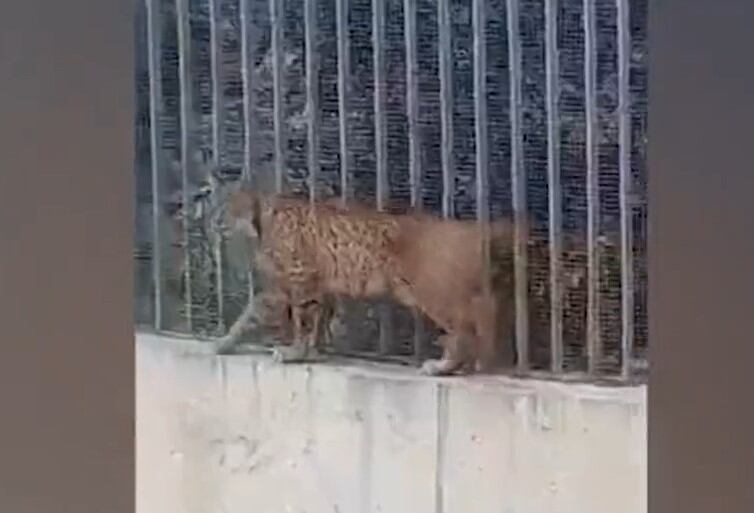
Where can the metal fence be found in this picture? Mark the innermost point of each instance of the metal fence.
(468, 108)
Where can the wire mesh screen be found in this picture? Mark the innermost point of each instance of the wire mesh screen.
(473, 109)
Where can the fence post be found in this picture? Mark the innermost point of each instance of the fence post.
(626, 186)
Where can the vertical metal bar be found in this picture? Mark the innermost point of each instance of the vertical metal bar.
(414, 140)
(278, 62)
(344, 65)
(154, 44)
(626, 187)
(380, 142)
(184, 65)
(344, 62)
(554, 189)
(445, 48)
(480, 126)
(217, 124)
(518, 185)
(248, 103)
(248, 106)
(380, 118)
(217, 94)
(412, 101)
(594, 344)
(312, 94)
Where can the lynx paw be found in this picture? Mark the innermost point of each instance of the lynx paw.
(439, 368)
(225, 346)
(288, 354)
(313, 355)
(431, 368)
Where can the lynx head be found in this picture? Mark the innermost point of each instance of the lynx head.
(244, 211)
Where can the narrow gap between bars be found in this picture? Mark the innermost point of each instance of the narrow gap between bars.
(518, 186)
(594, 342)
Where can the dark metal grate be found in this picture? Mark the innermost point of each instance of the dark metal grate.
(465, 108)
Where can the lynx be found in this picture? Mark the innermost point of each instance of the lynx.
(315, 252)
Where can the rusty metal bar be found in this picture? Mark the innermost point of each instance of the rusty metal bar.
(312, 95)
(278, 63)
(217, 125)
(445, 49)
(184, 64)
(154, 45)
(594, 343)
(344, 60)
(518, 185)
(626, 186)
(554, 187)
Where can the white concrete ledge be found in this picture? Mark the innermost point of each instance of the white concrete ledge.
(243, 434)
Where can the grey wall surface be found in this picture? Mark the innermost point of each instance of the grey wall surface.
(243, 434)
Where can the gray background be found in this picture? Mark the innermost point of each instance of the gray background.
(65, 269)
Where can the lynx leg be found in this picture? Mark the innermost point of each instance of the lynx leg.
(228, 343)
(452, 359)
(314, 313)
(295, 352)
(248, 320)
(304, 345)
(324, 330)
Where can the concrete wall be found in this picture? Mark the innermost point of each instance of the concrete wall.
(242, 434)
